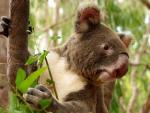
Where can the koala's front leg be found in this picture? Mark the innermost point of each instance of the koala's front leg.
(34, 95)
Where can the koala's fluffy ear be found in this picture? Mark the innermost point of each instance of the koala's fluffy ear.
(126, 39)
(87, 16)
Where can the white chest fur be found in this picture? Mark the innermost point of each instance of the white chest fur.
(66, 81)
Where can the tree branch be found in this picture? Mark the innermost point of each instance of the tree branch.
(140, 64)
(134, 74)
(146, 106)
(146, 3)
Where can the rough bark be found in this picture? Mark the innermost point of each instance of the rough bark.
(4, 11)
(146, 3)
(18, 41)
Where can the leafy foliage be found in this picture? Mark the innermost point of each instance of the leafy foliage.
(16, 106)
(25, 84)
(1, 110)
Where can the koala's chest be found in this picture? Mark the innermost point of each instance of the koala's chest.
(65, 80)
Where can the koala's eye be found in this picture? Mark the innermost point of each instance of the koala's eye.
(105, 46)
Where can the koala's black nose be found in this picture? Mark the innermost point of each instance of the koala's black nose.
(122, 65)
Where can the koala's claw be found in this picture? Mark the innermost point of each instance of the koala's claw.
(6, 20)
(37, 93)
(33, 100)
(30, 30)
(34, 95)
(5, 23)
(43, 89)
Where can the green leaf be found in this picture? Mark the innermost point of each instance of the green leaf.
(1, 110)
(21, 75)
(32, 59)
(44, 103)
(118, 89)
(43, 56)
(30, 79)
(17, 106)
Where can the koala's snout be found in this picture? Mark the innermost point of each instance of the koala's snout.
(121, 65)
(116, 70)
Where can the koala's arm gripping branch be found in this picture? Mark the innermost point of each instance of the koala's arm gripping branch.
(70, 106)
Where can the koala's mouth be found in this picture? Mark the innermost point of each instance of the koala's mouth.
(114, 71)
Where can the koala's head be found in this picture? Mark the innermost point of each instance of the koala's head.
(95, 51)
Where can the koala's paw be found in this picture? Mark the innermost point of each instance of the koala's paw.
(34, 95)
(30, 28)
(5, 23)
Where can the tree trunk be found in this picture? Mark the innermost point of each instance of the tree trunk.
(18, 39)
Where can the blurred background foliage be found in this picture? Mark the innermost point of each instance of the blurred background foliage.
(53, 22)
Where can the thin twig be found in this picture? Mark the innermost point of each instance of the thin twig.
(51, 77)
(134, 74)
(146, 3)
(146, 106)
(58, 23)
(139, 64)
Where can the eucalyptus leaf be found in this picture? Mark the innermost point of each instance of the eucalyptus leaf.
(30, 79)
(43, 56)
(32, 59)
(44, 103)
(21, 75)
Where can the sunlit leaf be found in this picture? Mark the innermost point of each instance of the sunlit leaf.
(32, 59)
(21, 75)
(43, 56)
(30, 79)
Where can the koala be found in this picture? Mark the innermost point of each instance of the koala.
(92, 57)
